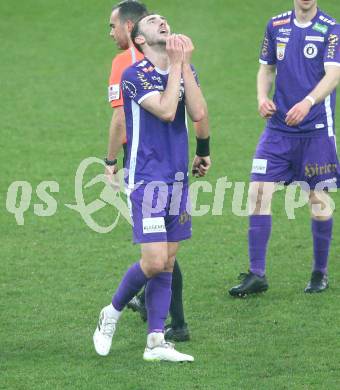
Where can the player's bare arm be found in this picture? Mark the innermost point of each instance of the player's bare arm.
(194, 100)
(116, 139)
(164, 105)
(265, 80)
(326, 85)
(201, 164)
(117, 133)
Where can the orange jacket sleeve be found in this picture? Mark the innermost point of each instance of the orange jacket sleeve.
(119, 64)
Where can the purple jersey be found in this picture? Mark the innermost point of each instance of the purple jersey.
(300, 53)
(157, 150)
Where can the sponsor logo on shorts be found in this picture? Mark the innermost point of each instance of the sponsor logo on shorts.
(320, 28)
(184, 218)
(114, 92)
(312, 170)
(259, 166)
(153, 225)
(281, 22)
(310, 50)
(319, 126)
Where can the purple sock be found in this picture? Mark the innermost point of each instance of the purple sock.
(322, 235)
(132, 282)
(158, 297)
(260, 227)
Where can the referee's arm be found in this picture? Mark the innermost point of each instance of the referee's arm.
(116, 133)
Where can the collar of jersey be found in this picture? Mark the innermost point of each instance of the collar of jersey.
(160, 71)
(163, 72)
(302, 25)
(308, 24)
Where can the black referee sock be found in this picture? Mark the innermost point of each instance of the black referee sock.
(176, 306)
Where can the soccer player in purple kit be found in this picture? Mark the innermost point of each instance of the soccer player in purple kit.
(158, 91)
(301, 52)
(122, 19)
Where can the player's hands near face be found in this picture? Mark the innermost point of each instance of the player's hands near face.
(200, 166)
(298, 113)
(188, 48)
(267, 108)
(174, 49)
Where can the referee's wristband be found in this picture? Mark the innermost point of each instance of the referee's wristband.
(310, 99)
(203, 147)
(110, 163)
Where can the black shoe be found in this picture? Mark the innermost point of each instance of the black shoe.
(317, 283)
(137, 305)
(251, 284)
(178, 334)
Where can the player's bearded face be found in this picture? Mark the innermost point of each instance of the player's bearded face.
(305, 5)
(155, 30)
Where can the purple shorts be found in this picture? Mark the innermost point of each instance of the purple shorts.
(160, 213)
(289, 158)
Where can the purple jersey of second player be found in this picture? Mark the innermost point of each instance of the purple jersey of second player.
(300, 53)
(156, 150)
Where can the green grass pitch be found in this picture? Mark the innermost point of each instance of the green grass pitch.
(56, 273)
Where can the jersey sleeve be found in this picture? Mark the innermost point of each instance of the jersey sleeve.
(137, 85)
(268, 49)
(114, 92)
(332, 53)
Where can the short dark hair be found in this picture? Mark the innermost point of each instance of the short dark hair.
(130, 10)
(136, 31)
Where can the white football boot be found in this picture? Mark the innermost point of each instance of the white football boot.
(158, 349)
(102, 337)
